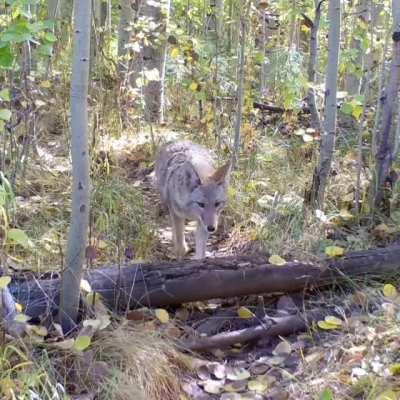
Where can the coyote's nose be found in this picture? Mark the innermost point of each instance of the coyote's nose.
(211, 228)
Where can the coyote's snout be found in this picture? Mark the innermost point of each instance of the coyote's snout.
(192, 188)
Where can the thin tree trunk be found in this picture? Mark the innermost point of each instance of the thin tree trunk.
(149, 63)
(381, 84)
(353, 79)
(240, 86)
(385, 141)
(124, 32)
(263, 72)
(320, 178)
(312, 105)
(80, 167)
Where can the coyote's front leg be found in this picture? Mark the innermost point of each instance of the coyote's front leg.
(201, 241)
(178, 232)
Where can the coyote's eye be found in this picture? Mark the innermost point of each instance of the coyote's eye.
(200, 204)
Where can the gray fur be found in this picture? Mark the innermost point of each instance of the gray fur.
(192, 188)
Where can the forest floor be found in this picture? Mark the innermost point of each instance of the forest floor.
(358, 359)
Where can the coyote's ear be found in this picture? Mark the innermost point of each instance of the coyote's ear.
(222, 174)
(192, 179)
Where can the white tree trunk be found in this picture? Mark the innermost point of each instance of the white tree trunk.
(124, 31)
(77, 238)
(321, 174)
(153, 56)
(352, 79)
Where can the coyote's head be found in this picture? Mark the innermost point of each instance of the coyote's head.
(208, 196)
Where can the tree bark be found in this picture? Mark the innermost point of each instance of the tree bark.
(312, 105)
(80, 167)
(124, 32)
(152, 57)
(240, 86)
(173, 283)
(385, 141)
(353, 78)
(320, 178)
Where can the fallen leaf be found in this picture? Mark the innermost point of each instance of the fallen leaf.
(389, 291)
(257, 386)
(162, 315)
(82, 342)
(327, 326)
(237, 374)
(334, 251)
(282, 349)
(212, 386)
(276, 260)
(330, 319)
(244, 313)
(236, 386)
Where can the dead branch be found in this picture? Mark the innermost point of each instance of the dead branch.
(272, 327)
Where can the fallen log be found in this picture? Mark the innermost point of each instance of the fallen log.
(270, 328)
(173, 283)
(277, 109)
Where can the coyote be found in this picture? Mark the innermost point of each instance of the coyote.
(192, 188)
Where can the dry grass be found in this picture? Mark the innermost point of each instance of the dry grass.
(140, 364)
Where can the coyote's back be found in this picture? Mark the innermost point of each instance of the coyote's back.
(192, 188)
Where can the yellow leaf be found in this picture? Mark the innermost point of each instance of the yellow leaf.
(245, 313)
(257, 386)
(389, 291)
(193, 86)
(82, 342)
(174, 52)
(276, 260)
(334, 251)
(327, 326)
(101, 244)
(330, 319)
(4, 281)
(45, 84)
(345, 214)
(395, 369)
(387, 395)
(19, 307)
(162, 315)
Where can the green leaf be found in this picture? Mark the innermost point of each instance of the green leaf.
(50, 37)
(326, 394)
(82, 342)
(347, 108)
(46, 50)
(5, 114)
(6, 57)
(5, 94)
(18, 236)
